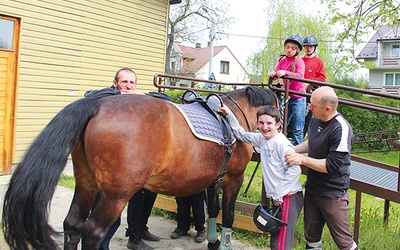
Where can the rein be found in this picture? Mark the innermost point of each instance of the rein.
(241, 110)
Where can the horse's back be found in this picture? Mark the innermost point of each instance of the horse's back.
(145, 141)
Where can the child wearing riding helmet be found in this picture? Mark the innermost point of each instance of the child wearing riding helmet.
(293, 65)
(315, 70)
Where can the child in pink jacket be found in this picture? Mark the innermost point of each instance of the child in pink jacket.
(293, 65)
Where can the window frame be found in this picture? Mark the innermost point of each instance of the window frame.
(394, 83)
(224, 67)
(395, 51)
(12, 21)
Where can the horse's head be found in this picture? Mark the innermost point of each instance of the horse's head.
(245, 103)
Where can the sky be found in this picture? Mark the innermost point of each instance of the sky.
(250, 29)
(248, 32)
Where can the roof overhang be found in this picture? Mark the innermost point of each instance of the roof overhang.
(174, 1)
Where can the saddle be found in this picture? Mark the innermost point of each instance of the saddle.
(211, 104)
(200, 123)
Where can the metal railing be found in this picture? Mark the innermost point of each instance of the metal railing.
(359, 186)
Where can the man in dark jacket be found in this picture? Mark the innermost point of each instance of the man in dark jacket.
(141, 203)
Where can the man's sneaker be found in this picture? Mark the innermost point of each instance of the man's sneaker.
(178, 233)
(138, 246)
(146, 235)
(200, 237)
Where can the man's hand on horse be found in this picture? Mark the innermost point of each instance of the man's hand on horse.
(223, 110)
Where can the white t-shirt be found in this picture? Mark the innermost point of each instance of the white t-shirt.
(279, 178)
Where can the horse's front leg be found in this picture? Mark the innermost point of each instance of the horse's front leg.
(213, 210)
(231, 187)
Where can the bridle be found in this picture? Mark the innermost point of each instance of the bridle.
(240, 108)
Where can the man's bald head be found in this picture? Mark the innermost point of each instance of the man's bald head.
(326, 96)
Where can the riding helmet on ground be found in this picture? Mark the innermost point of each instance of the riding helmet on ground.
(266, 219)
(294, 38)
(310, 40)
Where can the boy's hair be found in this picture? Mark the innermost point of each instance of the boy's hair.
(271, 111)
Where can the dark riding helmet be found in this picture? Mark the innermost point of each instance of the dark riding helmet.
(310, 40)
(295, 39)
(266, 219)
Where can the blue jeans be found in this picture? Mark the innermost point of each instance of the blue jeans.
(296, 117)
(110, 233)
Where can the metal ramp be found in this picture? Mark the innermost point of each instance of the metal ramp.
(374, 176)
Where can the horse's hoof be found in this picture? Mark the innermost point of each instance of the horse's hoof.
(213, 246)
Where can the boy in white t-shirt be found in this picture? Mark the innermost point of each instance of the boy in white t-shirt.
(281, 181)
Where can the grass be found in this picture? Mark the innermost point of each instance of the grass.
(391, 158)
(374, 232)
(67, 181)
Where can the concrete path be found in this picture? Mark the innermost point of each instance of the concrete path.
(158, 226)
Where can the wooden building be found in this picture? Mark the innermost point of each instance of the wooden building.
(52, 51)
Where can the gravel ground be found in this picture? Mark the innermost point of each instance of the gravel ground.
(158, 226)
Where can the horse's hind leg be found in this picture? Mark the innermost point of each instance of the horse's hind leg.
(80, 208)
(82, 202)
(73, 223)
(103, 216)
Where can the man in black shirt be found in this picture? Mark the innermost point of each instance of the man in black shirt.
(328, 174)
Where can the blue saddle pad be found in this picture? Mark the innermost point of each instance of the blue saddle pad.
(202, 123)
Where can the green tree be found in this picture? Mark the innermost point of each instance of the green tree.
(357, 18)
(287, 19)
(364, 120)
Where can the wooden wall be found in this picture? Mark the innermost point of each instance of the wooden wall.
(71, 46)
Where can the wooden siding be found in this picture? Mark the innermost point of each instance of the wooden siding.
(72, 46)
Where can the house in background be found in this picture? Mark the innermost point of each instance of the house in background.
(383, 52)
(195, 62)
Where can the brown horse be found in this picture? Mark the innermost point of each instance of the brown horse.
(120, 144)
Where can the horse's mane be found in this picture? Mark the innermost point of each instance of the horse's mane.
(257, 96)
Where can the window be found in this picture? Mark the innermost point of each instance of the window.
(395, 51)
(392, 79)
(173, 66)
(6, 34)
(224, 67)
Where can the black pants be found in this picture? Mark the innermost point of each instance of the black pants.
(196, 202)
(110, 233)
(139, 210)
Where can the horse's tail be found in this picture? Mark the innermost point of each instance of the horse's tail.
(32, 185)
